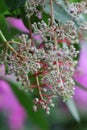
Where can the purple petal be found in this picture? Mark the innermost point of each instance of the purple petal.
(17, 23)
(10, 104)
(81, 77)
(80, 98)
(81, 70)
(83, 56)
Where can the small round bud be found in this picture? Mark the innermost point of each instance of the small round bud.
(44, 106)
(35, 108)
(36, 100)
(47, 112)
(50, 101)
(44, 89)
(52, 105)
(31, 90)
(42, 103)
(48, 109)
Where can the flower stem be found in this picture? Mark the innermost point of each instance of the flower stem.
(30, 29)
(38, 84)
(52, 11)
(3, 37)
(8, 45)
(55, 36)
(14, 42)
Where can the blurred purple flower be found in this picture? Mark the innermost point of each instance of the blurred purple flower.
(81, 77)
(9, 103)
(18, 24)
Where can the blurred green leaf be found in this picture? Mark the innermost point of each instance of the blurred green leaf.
(13, 4)
(39, 118)
(75, 0)
(23, 16)
(72, 108)
(3, 7)
(3, 122)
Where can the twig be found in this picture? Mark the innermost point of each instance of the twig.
(11, 48)
(38, 84)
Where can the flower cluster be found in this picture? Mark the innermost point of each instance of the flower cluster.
(83, 26)
(44, 65)
(43, 61)
(67, 30)
(31, 7)
(77, 8)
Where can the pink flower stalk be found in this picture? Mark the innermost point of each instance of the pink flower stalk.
(9, 103)
(18, 24)
(81, 77)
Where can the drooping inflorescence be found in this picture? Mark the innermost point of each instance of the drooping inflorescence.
(45, 60)
(45, 65)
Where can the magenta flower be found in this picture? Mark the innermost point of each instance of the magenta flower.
(18, 24)
(81, 77)
(9, 103)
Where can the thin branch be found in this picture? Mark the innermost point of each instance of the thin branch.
(38, 85)
(8, 45)
(52, 11)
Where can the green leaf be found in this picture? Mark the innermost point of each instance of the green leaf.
(72, 107)
(14, 4)
(39, 118)
(61, 13)
(3, 7)
(75, 0)
(23, 16)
